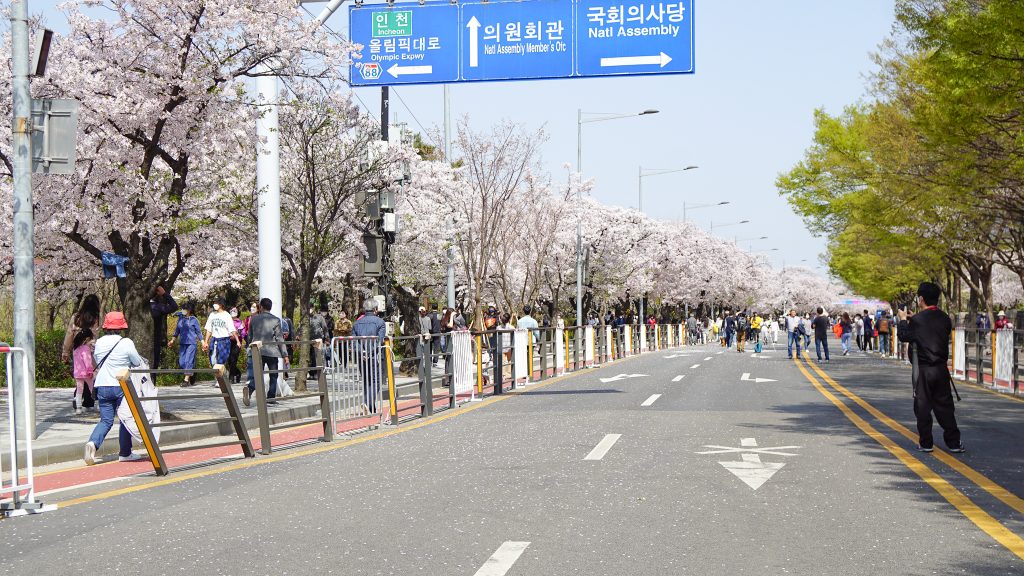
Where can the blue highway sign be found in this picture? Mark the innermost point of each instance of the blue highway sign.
(441, 42)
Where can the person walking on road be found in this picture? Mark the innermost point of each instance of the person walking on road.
(343, 326)
(928, 332)
(846, 327)
(869, 334)
(820, 324)
(742, 325)
(370, 366)
(264, 327)
(884, 330)
(794, 333)
(113, 354)
(858, 331)
(188, 334)
(730, 328)
(807, 331)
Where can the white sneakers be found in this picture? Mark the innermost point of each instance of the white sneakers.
(133, 457)
(90, 454)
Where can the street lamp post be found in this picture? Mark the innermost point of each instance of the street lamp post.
(699, 206)
(653, 172)
(580, 121)
(711, 230)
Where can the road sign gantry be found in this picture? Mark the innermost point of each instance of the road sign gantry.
(441, 42)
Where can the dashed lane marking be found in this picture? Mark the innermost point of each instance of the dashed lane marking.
(678, 378)
(502, 560)
(603, 447)
(694, 366)
(651, 400)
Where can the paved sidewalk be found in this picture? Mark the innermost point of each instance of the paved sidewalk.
(62, 433)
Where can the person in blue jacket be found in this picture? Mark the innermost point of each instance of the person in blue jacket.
(188, 334)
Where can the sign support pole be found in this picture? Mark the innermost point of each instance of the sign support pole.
(24, 248)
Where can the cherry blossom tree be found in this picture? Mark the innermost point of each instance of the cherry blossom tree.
(166, 134)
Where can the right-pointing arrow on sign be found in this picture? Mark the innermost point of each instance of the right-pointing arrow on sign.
(658, 60)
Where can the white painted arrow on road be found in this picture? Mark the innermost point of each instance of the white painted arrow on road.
(621, 377)
(658, 60)
(397, 70)
(750, 469)
(474, 42)
(746, 378)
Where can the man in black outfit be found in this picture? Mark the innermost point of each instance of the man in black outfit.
(821, 326)
(928, 331)
(869, 333)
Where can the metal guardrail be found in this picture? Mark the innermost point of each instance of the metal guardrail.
(323, 393)
(977, 353)
(355, 377)
(18, 482)
(149, 440)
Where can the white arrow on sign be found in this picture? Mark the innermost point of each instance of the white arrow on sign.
(397, 70)
(660, 59)
(750, 469)
(746, 378)
(474, 42)
(621, 377)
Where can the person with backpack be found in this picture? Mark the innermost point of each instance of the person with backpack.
(113, 354)
(884, 330)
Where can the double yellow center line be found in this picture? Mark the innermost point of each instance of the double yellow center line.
(968, 508)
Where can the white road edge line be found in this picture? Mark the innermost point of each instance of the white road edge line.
(77, 486)
(678, 378)
(603, 447)
(651, 400)
(502, 560)
(694, 366)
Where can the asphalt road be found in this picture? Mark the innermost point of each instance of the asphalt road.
(463, 495)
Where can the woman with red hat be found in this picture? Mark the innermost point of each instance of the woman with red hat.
(113, 354)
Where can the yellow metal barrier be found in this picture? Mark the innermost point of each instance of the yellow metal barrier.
(479, 367)
(392, 400)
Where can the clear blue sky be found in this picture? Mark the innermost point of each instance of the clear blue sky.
(744, 117)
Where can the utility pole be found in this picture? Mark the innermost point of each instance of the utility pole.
(24, 248)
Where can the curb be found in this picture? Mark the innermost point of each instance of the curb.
(71, 451)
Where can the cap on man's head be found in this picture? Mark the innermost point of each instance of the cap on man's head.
(1001, 313)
